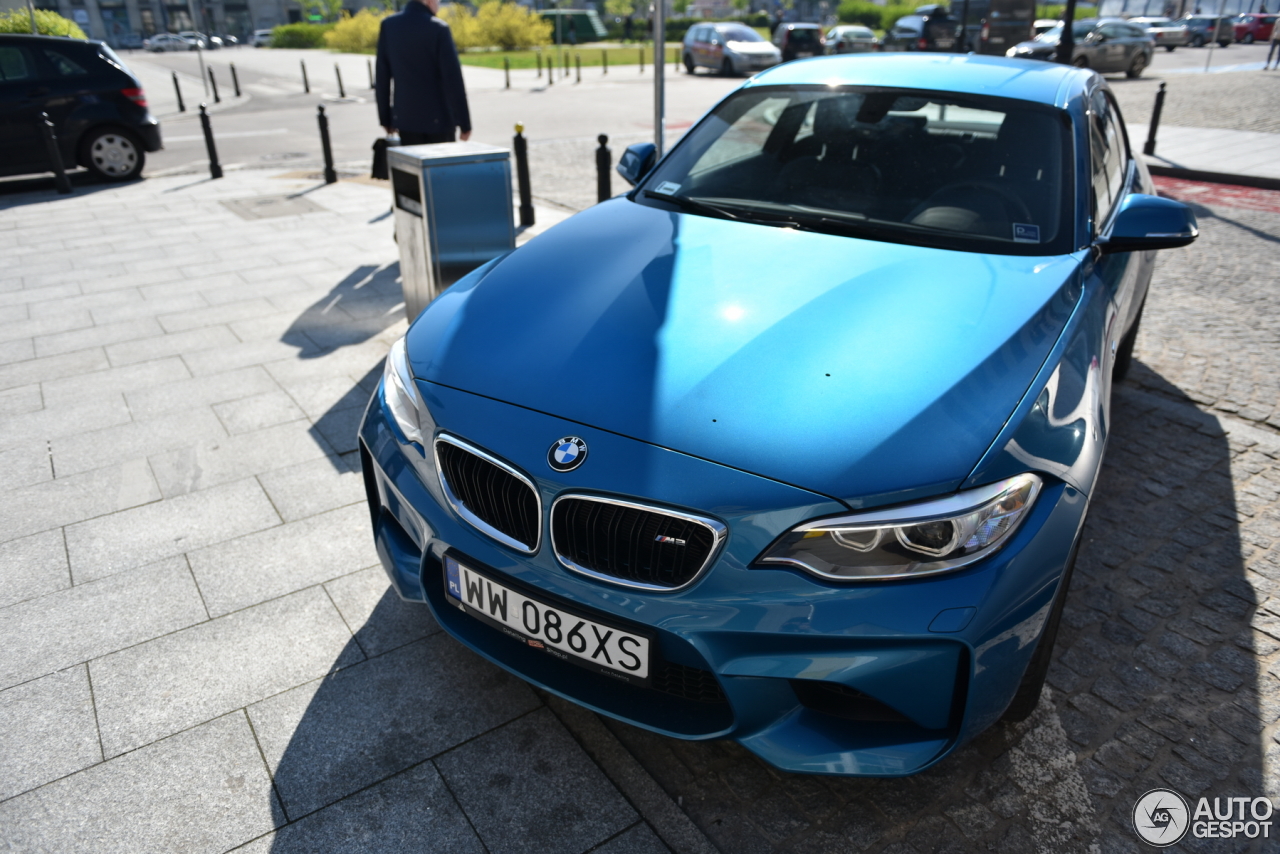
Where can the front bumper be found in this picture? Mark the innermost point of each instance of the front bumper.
(877, 679)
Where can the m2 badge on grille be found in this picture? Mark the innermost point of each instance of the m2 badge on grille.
(585, 642)
(567, 453)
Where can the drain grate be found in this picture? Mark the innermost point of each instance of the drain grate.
(265, 207)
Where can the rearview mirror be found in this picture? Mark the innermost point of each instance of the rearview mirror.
(1147, 222)
(636, 161)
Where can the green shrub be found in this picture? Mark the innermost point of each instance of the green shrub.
(356, 34)
(496, 24)
(47, 23)
(300, 35)
(861, 12)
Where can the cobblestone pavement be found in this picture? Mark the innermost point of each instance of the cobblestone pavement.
(1238, 100)
(1163, 671)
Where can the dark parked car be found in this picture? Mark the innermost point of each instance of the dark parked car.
(797, 41)
(1103, 44)
(1202, 29)
(97, 106)
(930, 29)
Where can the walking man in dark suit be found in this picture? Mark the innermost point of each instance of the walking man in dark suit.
(416, 50)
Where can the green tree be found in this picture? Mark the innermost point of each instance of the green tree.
(620, 8)
(326, 10)
(47, 23)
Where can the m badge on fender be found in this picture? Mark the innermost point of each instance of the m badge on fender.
(567, 453)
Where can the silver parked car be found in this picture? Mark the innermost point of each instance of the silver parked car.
(162, 42)
(262, 38)
(1164, 32)
(851, 38)
(1103, 44)
(729, 48)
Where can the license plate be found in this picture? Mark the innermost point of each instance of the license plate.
(801, 54)
(944, 43)
(592, 644)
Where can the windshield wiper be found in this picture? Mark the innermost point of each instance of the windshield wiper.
(692, 205)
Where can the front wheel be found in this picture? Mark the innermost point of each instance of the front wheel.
(112, 154)
(1198, 41)
(1170, 48)
(1028, 694)
(1124, 353)
(1224, 44)
(689, 67)
(726, 68)
(1136, 67)
(1248, 39)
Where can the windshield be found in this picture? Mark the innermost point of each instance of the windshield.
(740, 34)
(806, 36)
(941, 169)
(1079, 30)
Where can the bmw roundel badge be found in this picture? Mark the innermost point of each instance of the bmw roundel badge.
(567, 453)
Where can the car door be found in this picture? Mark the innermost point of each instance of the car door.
(1110, 48)
(22, 96)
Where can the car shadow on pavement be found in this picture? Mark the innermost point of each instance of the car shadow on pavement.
(364, 304)
(27, 190)
(1154, 683)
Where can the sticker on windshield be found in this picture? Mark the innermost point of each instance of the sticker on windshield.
(667, 188)
(1024, 233)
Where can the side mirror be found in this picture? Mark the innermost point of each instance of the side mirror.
(1149, 222)
(636, 161)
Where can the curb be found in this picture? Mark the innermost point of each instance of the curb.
(1255, 181)
(654, 805)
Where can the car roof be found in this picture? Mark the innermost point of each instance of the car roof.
(62, 40)
(945, 72)
(801, 26)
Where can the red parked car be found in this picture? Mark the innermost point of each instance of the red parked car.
(1248, 29)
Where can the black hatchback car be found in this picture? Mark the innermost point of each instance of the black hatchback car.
(97, 106)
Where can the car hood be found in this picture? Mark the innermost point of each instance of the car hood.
(865, 371)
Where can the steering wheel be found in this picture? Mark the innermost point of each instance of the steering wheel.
(1012, 202)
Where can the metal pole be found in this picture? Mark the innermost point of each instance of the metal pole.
(31, 7)
(182, 108)
(369, 65)
(604, 160)
(235, 79)
(521, 147)
(214, 83)
(55, 155)
(604, 63)
(551, 71)
(306, 87)
(538, 56)
(1208, 57)
(215, 169)
(330, 176)
(642, 59)
(659, 69)
(1150, 146)
(577, 61)
(565, 73)
(506, 71)
(203, 76)
(342, 92)
(1067, 43)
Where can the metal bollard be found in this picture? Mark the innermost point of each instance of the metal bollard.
(604, 63)
(215, 168)
(604, 158)
(369, 65)
(182, 108)
(675, 60)
(330, 176)
(213, 82)
(642, 60)
(342, 92)
(235, 79)
(577, 60)
(1150, 146)
(551, 72)
(521, 147)
(506, 70)
(565, 73)
(60, 179)
(306, 87)
(538, 56)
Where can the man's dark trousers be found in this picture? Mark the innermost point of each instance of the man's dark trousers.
(416, 51)
(408, 137)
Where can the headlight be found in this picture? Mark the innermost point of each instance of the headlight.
(923, 539)
(1013, 51)
(398, 391)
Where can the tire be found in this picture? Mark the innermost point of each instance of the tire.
(726, 68)
(1027, 697)
(1124, 353)
(112, 154)
(1198, 41)
(1080, 62)
(1136, 67)
(689, 67)
(1170, 48)
(1248, 39)
(1224, 44)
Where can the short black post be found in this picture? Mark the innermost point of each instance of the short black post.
(566, 65)
(235, 79)
(506, 70)
(214, 83)
(215, 168)
(330, 176)
(1150, 146)
(604, 159)
(604, 62)
(55, 155)
(521, 147)
(538, 56)
(182, 108)
(306, 87)
(577, 61)
(642, 60)
(342, 92)
(369, 65)
(551, 71)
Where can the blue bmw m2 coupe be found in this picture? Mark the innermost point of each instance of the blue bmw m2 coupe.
(792, 443)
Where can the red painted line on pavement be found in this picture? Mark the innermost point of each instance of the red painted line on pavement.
(1226, 195)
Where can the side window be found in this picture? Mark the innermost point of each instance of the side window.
(15, 64)
(63, 65)
(1110, 156)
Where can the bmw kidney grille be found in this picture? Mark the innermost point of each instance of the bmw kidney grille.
(489, 494)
